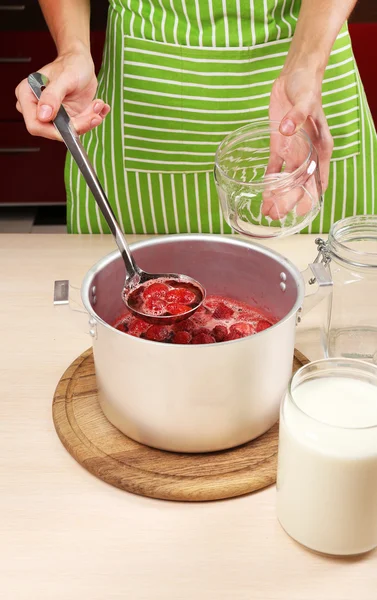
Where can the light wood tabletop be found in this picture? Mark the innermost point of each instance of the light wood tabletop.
(65, 534)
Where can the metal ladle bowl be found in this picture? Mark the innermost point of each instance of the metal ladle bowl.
(135, 277)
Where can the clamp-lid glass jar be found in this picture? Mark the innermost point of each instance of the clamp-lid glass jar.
(351, 252)
(268, 183)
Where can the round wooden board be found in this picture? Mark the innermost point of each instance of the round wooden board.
(107, 453)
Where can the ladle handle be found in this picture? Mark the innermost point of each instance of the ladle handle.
(62, 122)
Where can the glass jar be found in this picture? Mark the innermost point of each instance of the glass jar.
(268, 184)
(351, 253)
(327, 463)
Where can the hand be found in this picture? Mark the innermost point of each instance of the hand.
(72, 83)
(296, 103)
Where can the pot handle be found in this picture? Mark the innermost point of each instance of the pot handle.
(317, 274)
(66, 294)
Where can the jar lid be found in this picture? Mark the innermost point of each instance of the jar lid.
(268, 183)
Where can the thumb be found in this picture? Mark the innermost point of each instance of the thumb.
(294, 119)
(51, 99)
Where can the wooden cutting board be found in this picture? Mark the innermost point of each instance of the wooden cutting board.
(111, 456)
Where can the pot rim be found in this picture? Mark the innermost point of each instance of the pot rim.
(230, 240)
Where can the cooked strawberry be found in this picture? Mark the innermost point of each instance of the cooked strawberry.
(180, 296)
(154, 306)
(157, 333)
(219, 333)
(182, 337)
(212, 301)
(252, 317)
(222, 311)
(234, 335)
(137, 327)
(203, 338)
(203, 315)
(219, 319)
(242, 328)
(199, 330)
(251, 314)
(122, 324)
(177, 309)
(262, 325)
(156, 290)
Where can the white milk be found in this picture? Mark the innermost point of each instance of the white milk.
(327, 473)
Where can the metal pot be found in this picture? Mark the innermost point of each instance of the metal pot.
(197, 398)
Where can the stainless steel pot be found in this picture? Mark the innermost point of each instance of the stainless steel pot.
(197, 398)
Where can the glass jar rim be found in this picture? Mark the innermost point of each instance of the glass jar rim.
(362, 224)
(264, 126)
(354, 365)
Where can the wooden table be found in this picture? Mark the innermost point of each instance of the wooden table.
(66, 535)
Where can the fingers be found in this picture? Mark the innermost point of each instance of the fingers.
(52, 97)
(310, 200)
(285, 203)
(96, 108)
(276, 157)
(324, 145)
(91, 117)
(267, 204)
(28, 105)
(294, 119)
(274, 165)
(300, 200)
(319, 131)
(273, 205)
(304, 206)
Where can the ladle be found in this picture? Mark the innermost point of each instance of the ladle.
(135, 276)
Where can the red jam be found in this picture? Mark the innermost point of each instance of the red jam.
(164, 297)
(220, 319)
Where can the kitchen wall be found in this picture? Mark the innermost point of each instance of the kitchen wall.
(365, 11)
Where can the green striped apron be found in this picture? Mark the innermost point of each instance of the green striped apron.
(182, 74)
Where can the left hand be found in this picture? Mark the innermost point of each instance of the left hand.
(296, 102)
(73, 83)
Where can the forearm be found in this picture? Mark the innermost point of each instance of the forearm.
(68, 22)
(318, 25)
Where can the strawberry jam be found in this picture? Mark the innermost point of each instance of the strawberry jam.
(220, 319)
(164, 297)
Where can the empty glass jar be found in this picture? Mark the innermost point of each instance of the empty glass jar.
(268, 183)
(351, 252)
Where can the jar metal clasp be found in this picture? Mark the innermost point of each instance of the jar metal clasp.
(323, 257)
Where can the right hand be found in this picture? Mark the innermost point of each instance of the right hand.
(296, 103)
(73, 83)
